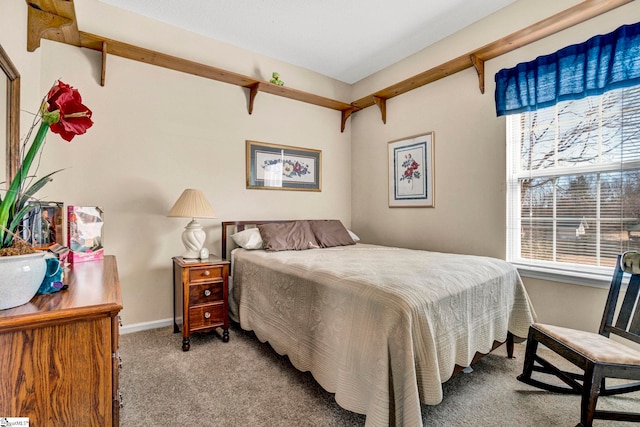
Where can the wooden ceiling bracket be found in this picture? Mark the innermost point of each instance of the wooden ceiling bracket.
(345, 115)
(382, 105)
(104, 63)
(253, 91)
(41, 22)
(478, 64)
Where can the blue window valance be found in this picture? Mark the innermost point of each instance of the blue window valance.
(602, 63)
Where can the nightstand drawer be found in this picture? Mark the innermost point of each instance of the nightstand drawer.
(205, 316)
(204, 273)
(204, 293)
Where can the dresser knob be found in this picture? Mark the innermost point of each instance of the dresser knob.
(207, 315)
(207, 273)
(207, 293)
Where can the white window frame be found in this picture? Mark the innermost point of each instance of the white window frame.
(548, 270)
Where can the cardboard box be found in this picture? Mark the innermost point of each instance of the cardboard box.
(84, 233)
(42, 227)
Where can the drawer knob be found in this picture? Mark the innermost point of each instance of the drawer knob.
(207, 273)
(207, 315)
(207, 293)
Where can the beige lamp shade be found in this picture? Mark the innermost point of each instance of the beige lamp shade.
(193, 204)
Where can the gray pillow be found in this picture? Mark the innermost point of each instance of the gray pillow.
(330, 232)
(286, 236)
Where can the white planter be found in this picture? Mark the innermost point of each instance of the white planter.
(20, 278)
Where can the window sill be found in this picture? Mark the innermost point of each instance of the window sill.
(591, 278)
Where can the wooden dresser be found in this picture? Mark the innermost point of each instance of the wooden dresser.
(59, 352)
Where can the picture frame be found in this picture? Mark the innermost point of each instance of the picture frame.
(43, 225)
(411, 171)
(282, 167)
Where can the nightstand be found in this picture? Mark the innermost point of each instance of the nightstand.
(200, 297)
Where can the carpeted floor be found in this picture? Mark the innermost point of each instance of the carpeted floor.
(246, 383)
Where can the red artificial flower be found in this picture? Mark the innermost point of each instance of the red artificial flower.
(73, 117)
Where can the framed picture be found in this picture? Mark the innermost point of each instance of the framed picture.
(279, 167)
(42, 227)
(411, 175)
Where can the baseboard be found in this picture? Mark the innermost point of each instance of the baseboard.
(144, 326)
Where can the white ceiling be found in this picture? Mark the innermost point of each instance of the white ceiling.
(344, 39)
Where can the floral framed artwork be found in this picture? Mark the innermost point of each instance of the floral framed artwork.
(411, 171)
(281, 167)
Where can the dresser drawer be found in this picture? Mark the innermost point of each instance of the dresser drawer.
(206, 316)
(204, 273)
(204, 293)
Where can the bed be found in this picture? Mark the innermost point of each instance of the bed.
(381, 327)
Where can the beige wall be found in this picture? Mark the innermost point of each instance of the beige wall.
(469, 216)
(158, 132)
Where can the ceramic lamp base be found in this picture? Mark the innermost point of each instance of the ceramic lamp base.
(193, 238)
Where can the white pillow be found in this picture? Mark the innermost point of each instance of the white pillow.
(353, 235)
(248, 239)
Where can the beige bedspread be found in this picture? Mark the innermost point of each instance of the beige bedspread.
(380, 327)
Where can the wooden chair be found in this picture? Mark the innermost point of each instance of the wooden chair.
(596, 354)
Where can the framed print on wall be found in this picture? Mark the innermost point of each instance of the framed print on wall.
(280, 167)
(411, 172)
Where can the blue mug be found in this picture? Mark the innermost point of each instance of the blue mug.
(52, 281)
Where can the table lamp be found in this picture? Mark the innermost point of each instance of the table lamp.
(192, 204)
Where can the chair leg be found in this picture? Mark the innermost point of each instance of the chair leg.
(529, 357)
(590, 392)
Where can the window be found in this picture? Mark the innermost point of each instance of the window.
(573, 183)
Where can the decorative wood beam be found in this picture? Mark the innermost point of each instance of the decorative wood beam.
(450, 67)
(581, 12)
(478, 64)
(56, 20)
(94, 42)
(124, 50)
(382, 105)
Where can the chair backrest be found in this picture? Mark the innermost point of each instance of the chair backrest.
(627, 323)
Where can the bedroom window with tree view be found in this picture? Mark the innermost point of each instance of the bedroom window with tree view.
(573, 172)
